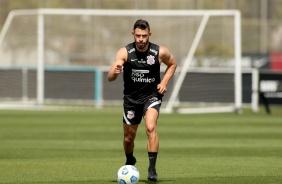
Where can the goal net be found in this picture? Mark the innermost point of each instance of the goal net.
(61, 56)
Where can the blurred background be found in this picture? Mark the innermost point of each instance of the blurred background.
(261, 19)
(93, 42)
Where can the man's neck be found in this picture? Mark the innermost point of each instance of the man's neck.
(144, 49)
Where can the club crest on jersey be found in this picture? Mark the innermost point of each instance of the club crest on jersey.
(150, 60)
(130, 114)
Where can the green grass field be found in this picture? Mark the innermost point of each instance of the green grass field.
(86, 147)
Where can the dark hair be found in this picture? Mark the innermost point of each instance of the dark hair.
(141, 24)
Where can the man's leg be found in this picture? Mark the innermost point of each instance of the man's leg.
(128, 143)
(151, 117)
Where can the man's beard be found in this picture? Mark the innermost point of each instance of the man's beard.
(141, 45)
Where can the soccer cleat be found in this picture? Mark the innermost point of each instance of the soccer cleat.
(131, 161)
(152, 175)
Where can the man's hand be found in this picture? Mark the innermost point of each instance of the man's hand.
(118, 69)
(161, 88)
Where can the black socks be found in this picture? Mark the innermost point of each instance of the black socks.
(129, 155)
(130, 159)
(152, 160)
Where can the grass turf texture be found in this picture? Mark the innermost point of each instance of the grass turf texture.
(86, 147)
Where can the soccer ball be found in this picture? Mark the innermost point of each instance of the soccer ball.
(128, 174)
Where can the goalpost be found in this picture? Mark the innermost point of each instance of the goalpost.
(172, 102)
(63, 55)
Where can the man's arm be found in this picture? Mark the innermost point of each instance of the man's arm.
(116, 67)
(167, 58)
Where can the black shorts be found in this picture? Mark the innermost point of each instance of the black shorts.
(133, 113)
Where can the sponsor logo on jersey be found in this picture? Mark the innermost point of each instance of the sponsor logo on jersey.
(140, 71)
(139, 76)
(142, 61)
(154, 51)
(130, 114)
(131, 50)
(150, 60)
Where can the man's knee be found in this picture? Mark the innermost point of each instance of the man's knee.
(128, 139)
(150, 129)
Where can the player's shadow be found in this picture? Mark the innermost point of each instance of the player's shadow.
(150, 182)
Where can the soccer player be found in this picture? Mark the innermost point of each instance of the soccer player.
(143, 89)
